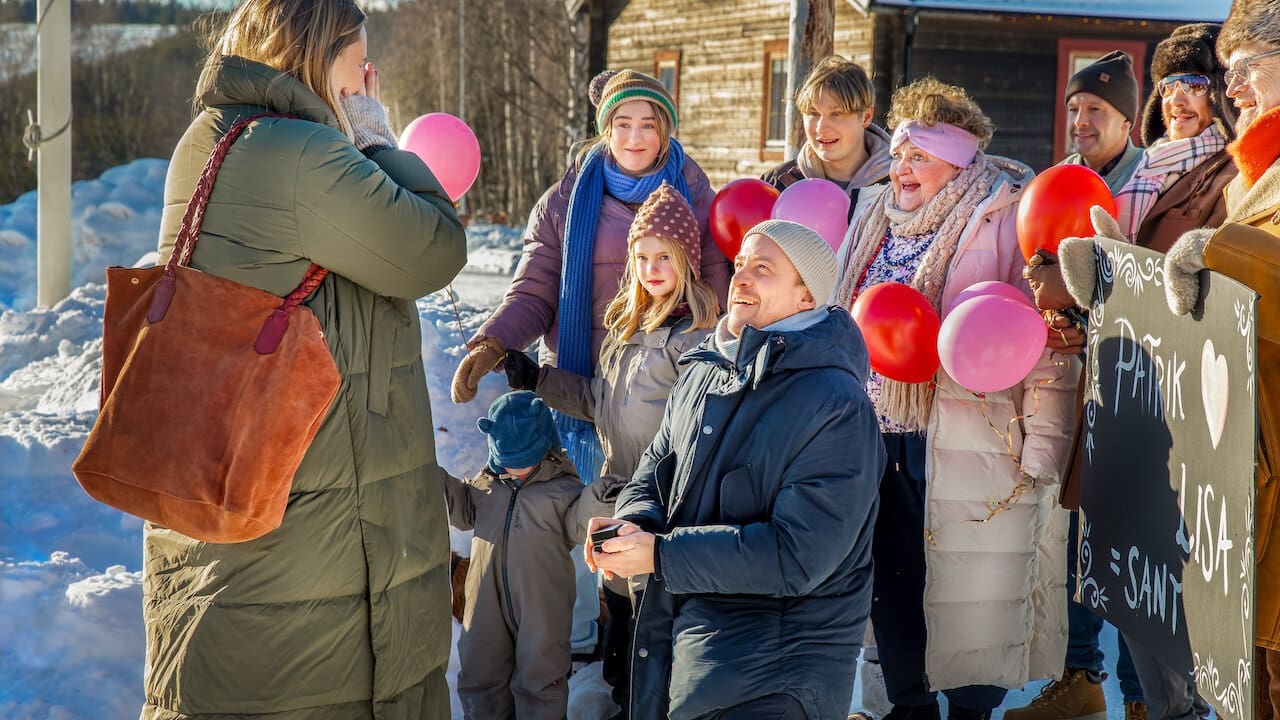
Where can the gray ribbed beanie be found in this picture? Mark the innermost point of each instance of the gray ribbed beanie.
(807, 251)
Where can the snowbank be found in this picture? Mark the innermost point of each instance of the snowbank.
(114, 220)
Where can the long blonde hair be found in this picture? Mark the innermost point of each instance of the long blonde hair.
(301, 38)
(633, 308)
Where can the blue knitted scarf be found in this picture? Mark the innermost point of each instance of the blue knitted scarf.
(573, 343)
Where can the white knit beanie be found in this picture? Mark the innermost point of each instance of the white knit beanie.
(807, 251)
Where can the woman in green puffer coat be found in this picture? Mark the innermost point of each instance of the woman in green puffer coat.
(342, 612)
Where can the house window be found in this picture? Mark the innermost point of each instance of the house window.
(1075, 54)
(773, 116)
(666, 66)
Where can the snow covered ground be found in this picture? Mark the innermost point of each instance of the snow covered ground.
(70, 568)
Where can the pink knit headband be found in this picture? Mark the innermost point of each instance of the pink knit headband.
(942, 140)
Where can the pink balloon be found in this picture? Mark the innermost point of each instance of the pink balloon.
(989, 287)
(817, 204)
(990, 343)
(448, 147)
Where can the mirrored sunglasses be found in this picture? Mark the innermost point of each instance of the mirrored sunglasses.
(1192, 85)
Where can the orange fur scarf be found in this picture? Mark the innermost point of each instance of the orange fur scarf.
(1258, 147)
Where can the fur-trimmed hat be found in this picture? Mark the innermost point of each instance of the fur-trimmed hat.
(521, 430)
(1189, 49)
(1110, 78)
(666, 214)
(1250, 21)
(624, 85)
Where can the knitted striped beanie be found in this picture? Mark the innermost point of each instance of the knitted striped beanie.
(666, 214)
(807, 251)
(624, 85)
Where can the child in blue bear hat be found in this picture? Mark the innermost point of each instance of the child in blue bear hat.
(529, 510)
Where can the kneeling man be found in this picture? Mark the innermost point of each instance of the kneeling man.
(753, 508)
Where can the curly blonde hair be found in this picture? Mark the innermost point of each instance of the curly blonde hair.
(931, 101)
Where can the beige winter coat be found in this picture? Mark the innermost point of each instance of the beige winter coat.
(627, 397)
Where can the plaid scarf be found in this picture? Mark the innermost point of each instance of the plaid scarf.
(1161, 166)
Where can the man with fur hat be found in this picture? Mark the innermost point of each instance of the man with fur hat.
(753, 508)
(528, 509)
(1102, 106)
(1186, 126)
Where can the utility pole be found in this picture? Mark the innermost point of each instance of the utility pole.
(811, 38)
(462, 78)
(50, 137)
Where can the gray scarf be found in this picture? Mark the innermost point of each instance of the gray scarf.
(874, 170)
(727, 345)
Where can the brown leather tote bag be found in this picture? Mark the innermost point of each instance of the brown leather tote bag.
(212, 391)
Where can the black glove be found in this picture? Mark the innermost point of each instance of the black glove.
(522, 371)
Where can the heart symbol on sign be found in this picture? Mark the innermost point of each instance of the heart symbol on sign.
(1213, 390)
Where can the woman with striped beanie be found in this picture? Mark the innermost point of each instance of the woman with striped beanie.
(575, 251)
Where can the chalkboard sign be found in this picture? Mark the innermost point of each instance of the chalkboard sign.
(1167, 493)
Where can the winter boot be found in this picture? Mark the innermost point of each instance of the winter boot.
(1135, 711)
(1077, 696)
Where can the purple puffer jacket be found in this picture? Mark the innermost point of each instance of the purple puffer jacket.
(529, 310)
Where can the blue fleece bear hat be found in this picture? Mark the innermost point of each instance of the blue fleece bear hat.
(520, 430)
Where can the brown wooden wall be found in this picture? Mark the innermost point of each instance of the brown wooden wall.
(721, 83)
(1007, 62)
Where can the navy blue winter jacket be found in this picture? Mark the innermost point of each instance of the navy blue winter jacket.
(762, 485)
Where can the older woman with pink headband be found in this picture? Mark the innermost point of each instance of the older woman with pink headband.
(965, 601)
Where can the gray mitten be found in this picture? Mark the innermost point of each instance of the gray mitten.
(368, 120)
(1105, 225)
(1182, 266)
(1079, 259)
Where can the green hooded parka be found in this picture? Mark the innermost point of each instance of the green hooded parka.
(342, 612)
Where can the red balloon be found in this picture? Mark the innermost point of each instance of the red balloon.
(900, 327)
(1056, 205)
(738, 207)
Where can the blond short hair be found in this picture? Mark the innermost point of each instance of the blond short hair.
(301, 38)
(847, 81)
(931, 101)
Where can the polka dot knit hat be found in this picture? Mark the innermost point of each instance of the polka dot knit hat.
(666, 214)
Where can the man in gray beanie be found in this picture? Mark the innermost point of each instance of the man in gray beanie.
(754, 506)
(1102, 106)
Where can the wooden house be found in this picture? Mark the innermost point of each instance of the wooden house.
(726, 61)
